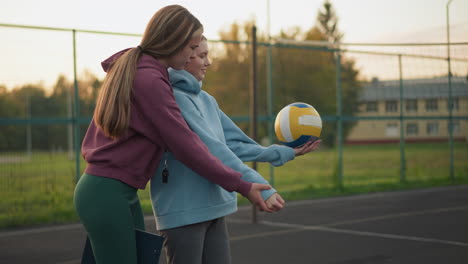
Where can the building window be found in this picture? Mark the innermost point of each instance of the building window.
(455, 105)
(455, 126)
(391, 106)
(431, 105)
(371, 106)
(412, 129)
(411, 105)
(432, 128)
(391, 129)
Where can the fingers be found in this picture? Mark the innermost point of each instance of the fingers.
(276, 206)
(255, 196)
(308, 143)
(263, 207)
(280, 200)
(308, 147)
(275, 202)
(316, 144)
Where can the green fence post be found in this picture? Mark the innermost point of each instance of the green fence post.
(270, 108)
(28, 128)
(339, 114)
(270, 93)
(76, 118)
(450, 102)
(402, 129)
(253, 105)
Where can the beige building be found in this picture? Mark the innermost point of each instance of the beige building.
(425, 107)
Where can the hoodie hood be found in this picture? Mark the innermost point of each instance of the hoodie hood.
(185, 81)
(145, 61)
(107, 63)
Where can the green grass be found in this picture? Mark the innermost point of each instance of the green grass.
(39, 190)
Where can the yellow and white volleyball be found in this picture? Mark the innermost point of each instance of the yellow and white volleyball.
(297, 123)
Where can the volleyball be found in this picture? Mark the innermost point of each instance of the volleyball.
(297, 123)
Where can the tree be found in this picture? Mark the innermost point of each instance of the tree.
(230, 72)
(229, 77)
(298, 73)
(37, 102)
(327, 23)
(308, 74)
(11, 136)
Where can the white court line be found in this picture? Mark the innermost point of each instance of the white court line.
(40, 230)
(365, 233)
(248, 207)
(367, 196)
(265, 234)
(398, 215)
(74, 261)
(328, 228)
(295, 228)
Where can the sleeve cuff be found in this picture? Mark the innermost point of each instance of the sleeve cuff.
(267, 193)
(292, 153)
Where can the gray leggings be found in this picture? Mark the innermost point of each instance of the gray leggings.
(201, 243)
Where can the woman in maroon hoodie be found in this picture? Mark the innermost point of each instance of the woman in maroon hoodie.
(136, 119)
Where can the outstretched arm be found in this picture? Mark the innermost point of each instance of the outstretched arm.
(216, 145)
(161, 118)
(248, 150)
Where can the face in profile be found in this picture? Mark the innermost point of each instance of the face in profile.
(199, 62)
(179, 60)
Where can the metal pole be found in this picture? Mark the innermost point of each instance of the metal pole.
(450, 101)
(77, 112)
(253, 104)
(70, 127)
(402, 130)
(270, 93)
(339, 114)
(28, 128)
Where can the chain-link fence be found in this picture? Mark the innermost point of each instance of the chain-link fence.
(385, 109)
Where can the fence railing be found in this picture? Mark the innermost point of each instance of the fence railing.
(42, 152)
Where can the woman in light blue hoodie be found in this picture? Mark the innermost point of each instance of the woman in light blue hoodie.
(189, 209)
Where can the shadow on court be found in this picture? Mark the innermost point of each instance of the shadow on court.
(422, 226)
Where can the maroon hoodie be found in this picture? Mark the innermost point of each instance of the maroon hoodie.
(156, 125)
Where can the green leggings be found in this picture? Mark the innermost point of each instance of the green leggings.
(110, 211)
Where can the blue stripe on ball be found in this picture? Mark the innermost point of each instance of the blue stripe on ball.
(300, 105)
(300, 141)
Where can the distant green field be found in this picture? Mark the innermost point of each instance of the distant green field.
(39, 190)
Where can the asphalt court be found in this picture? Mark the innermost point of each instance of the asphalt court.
(419, 226)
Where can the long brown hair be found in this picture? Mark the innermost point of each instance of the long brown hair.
(168, 32)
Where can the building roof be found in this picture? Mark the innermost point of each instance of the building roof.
(414, 89)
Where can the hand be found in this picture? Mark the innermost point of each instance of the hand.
(307, 147)
(255, 196)
(275, 202)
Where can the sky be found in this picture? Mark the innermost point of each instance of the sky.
(31, 56)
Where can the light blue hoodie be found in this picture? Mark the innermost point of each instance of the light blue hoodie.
(187, 198)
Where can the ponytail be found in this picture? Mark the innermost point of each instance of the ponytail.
(113, 106)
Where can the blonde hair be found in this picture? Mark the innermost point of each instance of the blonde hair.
(168, 32)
